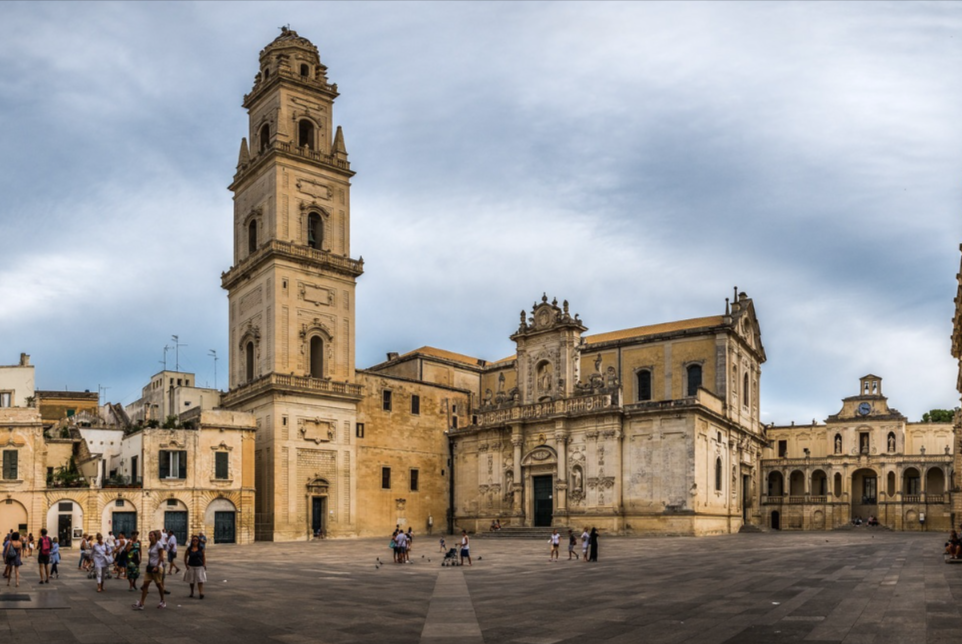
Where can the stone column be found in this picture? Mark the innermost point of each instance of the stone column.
(517, 440)
(561, 487)
(618, 491)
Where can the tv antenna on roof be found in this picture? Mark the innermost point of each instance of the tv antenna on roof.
(164, 361)
(213, 354)
(177, 346)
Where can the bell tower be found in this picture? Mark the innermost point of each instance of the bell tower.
(291, 297)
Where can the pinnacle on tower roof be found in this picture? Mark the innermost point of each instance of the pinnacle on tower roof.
(339, 149)
(244, 156)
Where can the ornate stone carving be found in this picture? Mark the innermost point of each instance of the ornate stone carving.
(314, 189)
(316, 430)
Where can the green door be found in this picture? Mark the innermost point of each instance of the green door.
(125, 522)
(176, 522)
(543, 501)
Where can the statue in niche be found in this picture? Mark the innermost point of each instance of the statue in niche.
(838, 444)
(577, 479)
(891, 443)
(544, 377)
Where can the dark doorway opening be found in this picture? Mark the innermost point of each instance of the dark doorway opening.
(776, 521)
(317, 515)
(543, 502)
(225, 527)
(176, 522)
(65, 530)
(125, 522)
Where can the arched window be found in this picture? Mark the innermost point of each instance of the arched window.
(315, 230)
(305, 70)
(249, 360)
(644, 384)
(317, 357)
(267, 73)
(305, 134)
(745, 389)
(265, 137)
(694, 379)
(837, 485)
(718, 474)
(252, 236)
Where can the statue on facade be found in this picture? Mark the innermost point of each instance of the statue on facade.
(838, 444)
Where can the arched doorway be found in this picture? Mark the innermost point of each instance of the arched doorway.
(540, 468)
(775, 484)
(317, 495)
(776, 520)
(222, 515)
(13, 516)
(934, 482)
(864, 493)
(796, 483)
(62, 518)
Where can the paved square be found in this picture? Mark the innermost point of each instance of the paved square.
(852, 587)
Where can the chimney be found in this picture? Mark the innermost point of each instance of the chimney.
(392, 355)
(24, 360)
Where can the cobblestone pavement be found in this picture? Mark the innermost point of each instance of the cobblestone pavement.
(852, 587)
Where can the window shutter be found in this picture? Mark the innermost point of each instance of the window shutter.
(164, 464)
(182, 462)
(220, 465)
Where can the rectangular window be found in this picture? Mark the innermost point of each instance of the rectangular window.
(414, 480)
(359, 430)
(173, 464)
(221, 465)
(415, 404)
(5, 398)
(454, 408)
(386, 400)
(782, 449)
(10, 457)
(386, 478)
(454, 422)
(644, 385)
(65, 506)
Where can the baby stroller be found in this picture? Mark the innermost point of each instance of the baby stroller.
(451, 558)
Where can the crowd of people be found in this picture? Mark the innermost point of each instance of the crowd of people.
(119, 557)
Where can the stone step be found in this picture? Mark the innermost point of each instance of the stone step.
(521, 532)
(751, 528)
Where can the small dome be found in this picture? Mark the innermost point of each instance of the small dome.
(289, 39)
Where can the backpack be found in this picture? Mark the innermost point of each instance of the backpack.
(45, 545)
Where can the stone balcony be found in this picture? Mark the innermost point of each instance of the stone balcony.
(322, 259)
(292, 384)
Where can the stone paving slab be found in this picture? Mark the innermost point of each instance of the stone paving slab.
(849, 587)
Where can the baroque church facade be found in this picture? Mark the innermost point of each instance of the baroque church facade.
(654, 429)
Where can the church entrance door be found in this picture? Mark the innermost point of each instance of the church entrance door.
(317, 515)
(543, 501)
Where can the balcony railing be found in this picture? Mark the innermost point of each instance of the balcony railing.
(911, 498)
(290, 250)
(295, 383)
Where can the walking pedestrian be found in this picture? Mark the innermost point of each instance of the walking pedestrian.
(13, 558)
(593, 540)
(555, 542)
(572, 542)
(133, 560)
(43, 556)
(172, 552)
(465, 548)
(154, 572)
(585, 538)
(195, 560)
(101, 561)
(55, 558)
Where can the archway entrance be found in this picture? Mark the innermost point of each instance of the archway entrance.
(864, 493)
(776, 520)
(543, 501)
(317, 493)
(13, 516)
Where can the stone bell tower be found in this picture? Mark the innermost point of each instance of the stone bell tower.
(291, 295)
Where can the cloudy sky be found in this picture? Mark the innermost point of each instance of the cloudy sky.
(637, 159)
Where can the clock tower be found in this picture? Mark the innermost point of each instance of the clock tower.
(291, 297)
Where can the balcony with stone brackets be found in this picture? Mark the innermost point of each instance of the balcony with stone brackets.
(292, 384)
(325, 260)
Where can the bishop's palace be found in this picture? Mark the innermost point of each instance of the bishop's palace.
(647, 430)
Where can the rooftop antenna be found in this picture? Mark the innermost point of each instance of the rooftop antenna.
(213, 354)
(177, 346)
(164, 361)
(101, 390)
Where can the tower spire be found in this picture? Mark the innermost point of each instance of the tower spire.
(244, 156)
(340, 152)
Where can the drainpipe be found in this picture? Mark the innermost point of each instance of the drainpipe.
(450, 484)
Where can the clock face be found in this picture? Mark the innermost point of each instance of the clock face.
(864, 408)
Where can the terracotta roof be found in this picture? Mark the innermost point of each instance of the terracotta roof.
(445, 355)
(655, 329)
